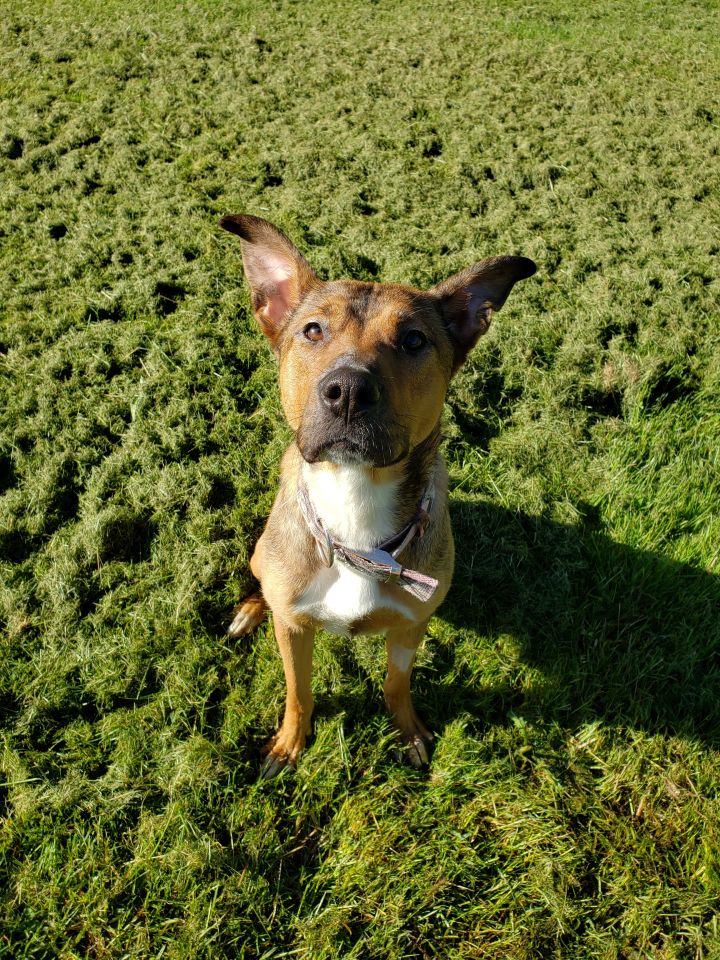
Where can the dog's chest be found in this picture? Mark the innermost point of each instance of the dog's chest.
(359, 514)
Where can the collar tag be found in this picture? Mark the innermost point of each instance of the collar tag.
(382, 564)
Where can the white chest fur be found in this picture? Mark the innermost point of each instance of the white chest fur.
(359, 513)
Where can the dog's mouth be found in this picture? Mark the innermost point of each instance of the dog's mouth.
(368, 445)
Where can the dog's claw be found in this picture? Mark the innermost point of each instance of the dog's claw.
(281, 752)
(239, 626)
(416, 747)
(272, 765)
(417, 753)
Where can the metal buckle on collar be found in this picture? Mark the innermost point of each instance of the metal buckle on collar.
(383, 562)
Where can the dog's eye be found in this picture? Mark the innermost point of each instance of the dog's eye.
(413, 341)
(313, 332)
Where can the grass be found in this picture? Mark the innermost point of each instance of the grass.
(573, 676)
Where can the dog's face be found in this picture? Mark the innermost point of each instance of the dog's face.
(364, 367)
(363, 371)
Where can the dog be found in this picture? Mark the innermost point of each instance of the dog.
(358, 540)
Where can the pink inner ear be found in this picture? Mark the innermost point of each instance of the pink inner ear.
(278, 295)
(271, 278)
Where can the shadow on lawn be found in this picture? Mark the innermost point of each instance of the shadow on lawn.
(619, 634)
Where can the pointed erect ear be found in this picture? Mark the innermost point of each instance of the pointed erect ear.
(470, 297)
(278, 274)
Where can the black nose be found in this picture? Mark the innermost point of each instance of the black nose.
(349, 391)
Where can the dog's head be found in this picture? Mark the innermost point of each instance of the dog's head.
(364, 367)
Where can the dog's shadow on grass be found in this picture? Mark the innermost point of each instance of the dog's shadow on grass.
(611, 632)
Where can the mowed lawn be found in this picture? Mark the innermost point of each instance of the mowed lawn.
(572, 678)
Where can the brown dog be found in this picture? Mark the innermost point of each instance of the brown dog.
(358, 540)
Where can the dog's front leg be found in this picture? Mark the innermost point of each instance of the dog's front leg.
(402, 646)
(296, 648)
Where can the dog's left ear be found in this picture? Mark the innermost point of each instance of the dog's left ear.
(470, 297)
(278, 274)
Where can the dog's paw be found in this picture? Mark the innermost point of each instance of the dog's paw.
(416, 742)
(418, 751)
(247, 615)
(281, 751)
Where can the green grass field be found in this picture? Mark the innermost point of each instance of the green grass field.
(572, 807)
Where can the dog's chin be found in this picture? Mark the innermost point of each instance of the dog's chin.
(347, 451)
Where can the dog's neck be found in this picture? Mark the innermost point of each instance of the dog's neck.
(361, 506)
(355, 505)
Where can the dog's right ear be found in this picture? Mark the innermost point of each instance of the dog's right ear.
(278, 274)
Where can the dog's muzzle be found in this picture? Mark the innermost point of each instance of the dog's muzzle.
(346, 420)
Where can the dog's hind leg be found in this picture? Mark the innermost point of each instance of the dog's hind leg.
(248, 614)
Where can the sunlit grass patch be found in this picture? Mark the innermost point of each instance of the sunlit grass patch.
(572, 678)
